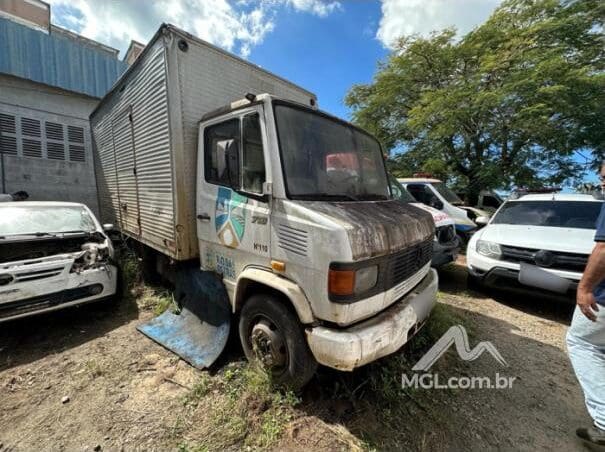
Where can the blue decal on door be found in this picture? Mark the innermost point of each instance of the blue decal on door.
(230, 217)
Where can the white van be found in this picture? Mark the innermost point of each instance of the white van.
(435, 193)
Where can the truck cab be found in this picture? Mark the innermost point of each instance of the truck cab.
(294, 211)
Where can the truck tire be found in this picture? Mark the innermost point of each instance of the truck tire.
(272, 336)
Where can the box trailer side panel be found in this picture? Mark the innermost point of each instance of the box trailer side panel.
(209, 78)
(132, 137)
(145, 132)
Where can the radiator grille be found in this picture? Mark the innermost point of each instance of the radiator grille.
(406, 263)
(557, 260)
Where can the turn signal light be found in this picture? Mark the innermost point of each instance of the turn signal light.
(278, 266)
(341, 282)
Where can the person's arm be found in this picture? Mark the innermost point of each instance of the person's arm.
(593, 275)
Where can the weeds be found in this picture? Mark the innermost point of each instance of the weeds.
(94, 368)
(244, 408)
(134, 291)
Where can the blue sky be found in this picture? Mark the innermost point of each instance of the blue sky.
(325, 46)
(325, 55)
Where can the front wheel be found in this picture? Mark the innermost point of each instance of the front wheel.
(272, 336)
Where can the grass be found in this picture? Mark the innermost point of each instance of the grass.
(376, 390)
(94, 368)
(242, 409)
(135, 292)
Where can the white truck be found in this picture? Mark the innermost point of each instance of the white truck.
(264, 208)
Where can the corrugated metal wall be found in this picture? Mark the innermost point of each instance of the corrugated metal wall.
(56, 60)
(131, 131)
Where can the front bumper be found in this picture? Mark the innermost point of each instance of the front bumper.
(47, 284)
(445, 253)
(381, 335)
(504, 274)
(501, 277)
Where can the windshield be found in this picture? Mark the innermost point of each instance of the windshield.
(399, 192)
(23, 220)
(561, 214)
(324, 158)
(447, 194)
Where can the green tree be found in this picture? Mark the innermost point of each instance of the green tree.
(508, 104)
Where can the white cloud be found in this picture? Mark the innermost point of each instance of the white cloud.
(236, 27)
(319, 7)
(406, 17)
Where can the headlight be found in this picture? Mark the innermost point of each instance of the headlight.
(365, 278)
(352, 282)
(489, 249)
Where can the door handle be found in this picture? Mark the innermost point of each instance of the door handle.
(203, 216)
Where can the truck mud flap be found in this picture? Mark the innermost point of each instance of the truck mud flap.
(200, 332)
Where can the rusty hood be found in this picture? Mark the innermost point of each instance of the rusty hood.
(380, 227)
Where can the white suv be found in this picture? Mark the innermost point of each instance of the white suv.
(554, 232)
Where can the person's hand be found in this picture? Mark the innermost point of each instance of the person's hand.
(587, 303)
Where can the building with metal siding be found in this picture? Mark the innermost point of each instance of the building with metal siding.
(50, 81)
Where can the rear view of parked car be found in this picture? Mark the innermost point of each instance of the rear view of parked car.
(553, 232)
(52, 255)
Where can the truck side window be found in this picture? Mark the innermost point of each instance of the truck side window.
(253, 161)
(221, 153)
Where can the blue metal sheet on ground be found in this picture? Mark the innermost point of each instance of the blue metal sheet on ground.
(198, 343)
(200, 332)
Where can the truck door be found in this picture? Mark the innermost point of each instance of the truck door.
(126, 169)
(233, 215)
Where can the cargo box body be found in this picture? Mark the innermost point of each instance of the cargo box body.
(145, 135)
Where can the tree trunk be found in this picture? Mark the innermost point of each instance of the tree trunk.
(472, 194)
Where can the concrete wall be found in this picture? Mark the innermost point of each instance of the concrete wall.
(44, 178)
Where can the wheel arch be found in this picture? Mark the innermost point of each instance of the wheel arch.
(254, 280)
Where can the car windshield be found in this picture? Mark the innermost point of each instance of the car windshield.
(324, 158)
(27, 220)
(560, 214)
(447, 194)
(399, 191)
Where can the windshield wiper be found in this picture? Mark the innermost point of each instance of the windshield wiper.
(35, 234)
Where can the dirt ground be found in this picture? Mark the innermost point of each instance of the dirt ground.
(85, 379)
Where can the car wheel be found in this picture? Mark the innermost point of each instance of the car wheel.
(272, 336)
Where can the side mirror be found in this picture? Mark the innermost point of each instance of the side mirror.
(108, 227)
(482, 221)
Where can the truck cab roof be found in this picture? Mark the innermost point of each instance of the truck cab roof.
(246, 102)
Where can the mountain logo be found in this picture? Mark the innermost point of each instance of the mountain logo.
(230, 217)
(457, 335)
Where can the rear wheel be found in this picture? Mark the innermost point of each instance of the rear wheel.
(272, 336)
